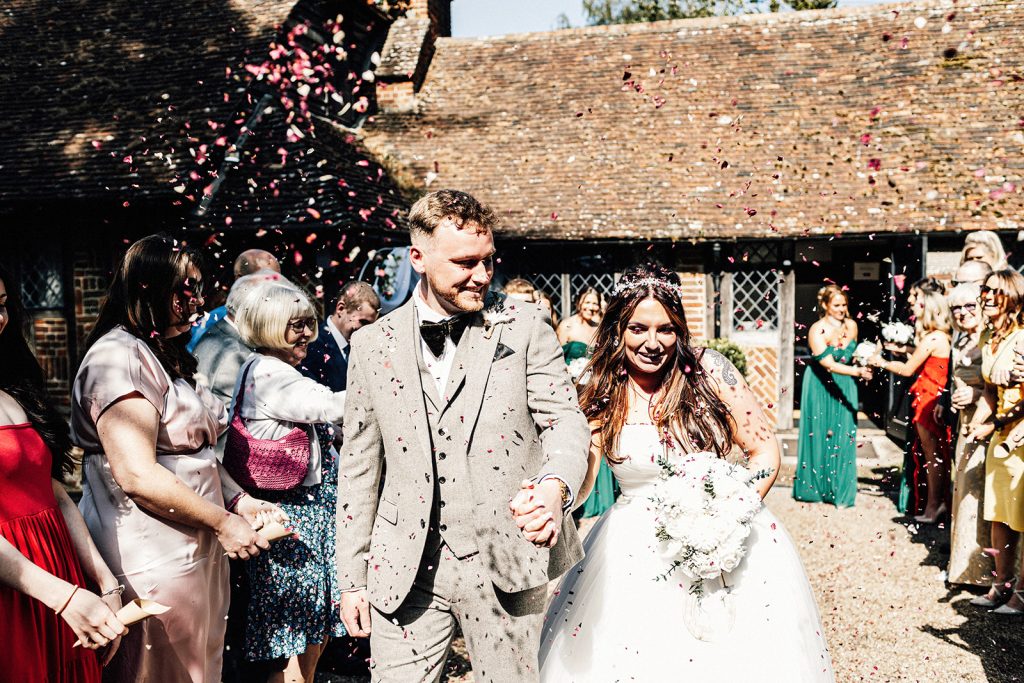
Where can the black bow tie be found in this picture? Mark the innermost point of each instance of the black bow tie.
(435, 334)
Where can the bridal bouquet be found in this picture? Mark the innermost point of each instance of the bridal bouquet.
(898, 333)
(703, 509)
(864, 351)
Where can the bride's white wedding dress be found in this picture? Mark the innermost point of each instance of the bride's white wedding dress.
(611, 620)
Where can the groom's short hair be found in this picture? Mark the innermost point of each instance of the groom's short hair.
(429, 211)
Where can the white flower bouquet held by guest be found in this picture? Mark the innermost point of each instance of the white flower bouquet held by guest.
(863, 352)
(898, 332)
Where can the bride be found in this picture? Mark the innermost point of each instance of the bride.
(612, 619)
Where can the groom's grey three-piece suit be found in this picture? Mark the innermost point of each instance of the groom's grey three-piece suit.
(439, 543)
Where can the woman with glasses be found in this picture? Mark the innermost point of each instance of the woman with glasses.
(1000, 415)
(152, 492)
(927, 465)
(969, 532)
(293, 586)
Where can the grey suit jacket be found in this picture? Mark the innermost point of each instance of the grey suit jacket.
(520, 419)
(220, 353)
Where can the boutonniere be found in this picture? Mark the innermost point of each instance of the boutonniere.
(495, 314)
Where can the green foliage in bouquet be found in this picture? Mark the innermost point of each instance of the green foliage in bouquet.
(730, 350)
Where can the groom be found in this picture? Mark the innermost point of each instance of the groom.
(465, 397)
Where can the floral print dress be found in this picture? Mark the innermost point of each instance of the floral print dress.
(293, 587)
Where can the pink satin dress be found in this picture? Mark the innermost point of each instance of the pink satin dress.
(155, 558)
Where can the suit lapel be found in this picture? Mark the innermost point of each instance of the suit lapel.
(406, 370)
(474, 371)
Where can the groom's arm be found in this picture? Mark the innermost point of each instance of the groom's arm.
(359, 470)
(565, 436)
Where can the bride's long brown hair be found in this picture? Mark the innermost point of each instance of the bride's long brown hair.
(687, 406)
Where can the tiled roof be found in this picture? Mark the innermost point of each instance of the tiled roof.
(401, 53)
(120, 102)
(101, 99)
(884, 118)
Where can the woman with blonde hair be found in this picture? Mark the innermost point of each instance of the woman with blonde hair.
(969, 532)
(927, 465)
(1002, 417)
(826, 468)
(278, 414)
(984, 245)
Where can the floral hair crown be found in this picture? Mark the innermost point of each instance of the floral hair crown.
(647, 283)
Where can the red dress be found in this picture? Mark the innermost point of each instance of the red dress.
(37, 644)
(926, 389)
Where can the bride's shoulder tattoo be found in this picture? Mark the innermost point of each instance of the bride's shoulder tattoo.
(720, 361)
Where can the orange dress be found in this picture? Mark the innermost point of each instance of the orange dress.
(37, 643)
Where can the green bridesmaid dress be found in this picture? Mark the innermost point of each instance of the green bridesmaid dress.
(606, 489)
(826, 470)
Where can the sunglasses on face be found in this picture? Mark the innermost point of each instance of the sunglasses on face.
(191, 289)
(966, 308)
(299, 325)
(985, 289)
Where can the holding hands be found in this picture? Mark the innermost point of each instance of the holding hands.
(537, 509)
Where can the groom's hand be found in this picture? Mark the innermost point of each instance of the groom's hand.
(355, 613)
(537, 510)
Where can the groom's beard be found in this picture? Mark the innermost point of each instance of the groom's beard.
(457, 300)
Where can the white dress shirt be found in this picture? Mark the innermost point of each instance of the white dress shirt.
(339, 338)
(439, 368)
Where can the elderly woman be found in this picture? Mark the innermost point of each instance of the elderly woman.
(969, 532)
(293, 586)
(927, 465)
(152, 493)
(1002, 416)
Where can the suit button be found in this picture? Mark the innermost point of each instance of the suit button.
(441, 480)
(442, 503)
(444, 527)
(442, 431)
(441, 456)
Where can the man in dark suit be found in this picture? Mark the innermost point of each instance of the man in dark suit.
(327, 361)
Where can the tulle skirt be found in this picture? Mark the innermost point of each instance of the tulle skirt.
(612, 619)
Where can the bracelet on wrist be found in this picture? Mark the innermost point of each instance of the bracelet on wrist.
(119, 589)
(66, 602)
(234, 501)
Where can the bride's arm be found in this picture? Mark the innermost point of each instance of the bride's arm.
(593, 464)
(751, 429)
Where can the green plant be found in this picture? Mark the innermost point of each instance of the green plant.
(731, 350)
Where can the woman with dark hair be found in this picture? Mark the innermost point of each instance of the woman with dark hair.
(152, 492)
(48, 562)
(652, 397)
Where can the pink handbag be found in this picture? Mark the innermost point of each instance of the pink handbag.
(266, 464)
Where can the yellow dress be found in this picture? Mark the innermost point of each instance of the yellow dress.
(1004, 468)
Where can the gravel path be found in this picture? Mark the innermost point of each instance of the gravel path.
(887, 612)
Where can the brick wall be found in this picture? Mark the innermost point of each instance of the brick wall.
(90, 278)
(50, 340)
(396, 96)
(695, 304)
(763, 376)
